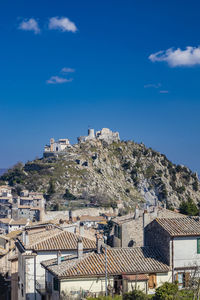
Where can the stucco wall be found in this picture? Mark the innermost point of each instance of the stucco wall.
(92, 285)
(185, 252)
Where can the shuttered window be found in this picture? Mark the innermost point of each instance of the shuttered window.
(198, 246)
(152, 281)
(187, 279)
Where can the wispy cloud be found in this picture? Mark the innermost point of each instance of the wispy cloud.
(164, 92)
(67, 70)
(177, 57)
(152, 85)
(58, 80)
(30, 25)
(62, 23)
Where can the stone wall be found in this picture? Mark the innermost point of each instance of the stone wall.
(155, 236)
(50, 215)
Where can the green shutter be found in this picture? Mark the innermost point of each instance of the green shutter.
(198, 246)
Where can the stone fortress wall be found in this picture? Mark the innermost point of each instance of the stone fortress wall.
(103, 135)
(61, 145)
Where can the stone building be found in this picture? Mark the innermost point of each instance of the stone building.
(128, 229)
(178, 239)
(105, 134)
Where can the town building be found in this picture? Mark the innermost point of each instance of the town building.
(105, 134)
(8, 225)
(56, 146)
(178, 239)
(128, 229)
(83, 274)
(39, 245)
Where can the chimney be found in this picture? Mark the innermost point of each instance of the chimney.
(146, 218)
(26, 238)
(81, 229)
(137, 212)
(80, 247)
(58, 257)
(99, 243)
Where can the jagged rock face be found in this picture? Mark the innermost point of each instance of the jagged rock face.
(122, 172)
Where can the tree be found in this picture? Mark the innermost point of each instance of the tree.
(188, 208)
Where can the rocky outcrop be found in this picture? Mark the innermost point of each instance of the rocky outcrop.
(120, 173)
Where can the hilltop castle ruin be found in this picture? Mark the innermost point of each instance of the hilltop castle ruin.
(61, 145)
(103, 135)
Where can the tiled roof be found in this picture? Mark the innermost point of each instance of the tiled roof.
(124, 219)
(13, 234)
(22, 221)
(3, 251)
(119, 261)
(91, 218)
(56, 239)
(187, 226)
(5, 220)
(137, 277)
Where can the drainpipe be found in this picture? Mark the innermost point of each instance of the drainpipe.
(172, 259)
(35, 276)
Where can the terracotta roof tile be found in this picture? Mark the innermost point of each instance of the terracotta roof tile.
(119, 261)
(56, 239)
(187, 226)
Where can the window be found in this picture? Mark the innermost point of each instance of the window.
(152, 281)
(198, 246)
(183, 279)
(55, 284)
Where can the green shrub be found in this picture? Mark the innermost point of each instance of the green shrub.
(180, 189)
(135, 295)
(167, 291)
(68, 195)
(195, 185)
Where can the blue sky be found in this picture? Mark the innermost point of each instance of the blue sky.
(66, 65)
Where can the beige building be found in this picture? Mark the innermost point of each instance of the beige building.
(83, 275)
(37, 245)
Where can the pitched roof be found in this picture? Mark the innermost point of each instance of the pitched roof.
(5, 220)
(119, 261)
(187, 226)
(22, 221)
(91, 218)
(56, 239)
(136, 277)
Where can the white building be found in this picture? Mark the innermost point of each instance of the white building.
(83, 275)
(57, 146)
(37, 246)
(178, 240)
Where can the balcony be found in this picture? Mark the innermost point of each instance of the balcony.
(44, 287)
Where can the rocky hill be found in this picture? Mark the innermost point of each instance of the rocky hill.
(95, 172)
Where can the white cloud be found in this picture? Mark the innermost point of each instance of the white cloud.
(67, 70)
(62, 23)
(58, 80)
(30, 25)
(177, 57)
(164, 92)
(152, 85)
